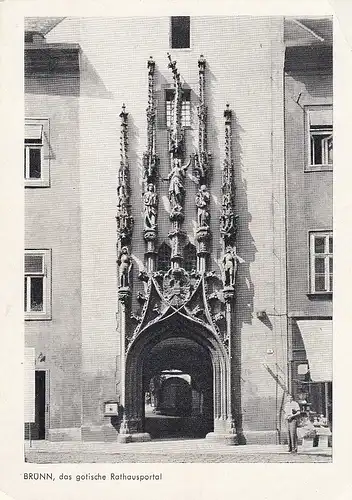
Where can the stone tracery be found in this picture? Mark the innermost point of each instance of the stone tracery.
(150, 172)
(192, 294)
(201, 171)
(124, 220)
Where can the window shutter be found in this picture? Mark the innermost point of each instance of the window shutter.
(320, 117)
(33, 264)
(33, 132)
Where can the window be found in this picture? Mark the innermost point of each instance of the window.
(320, 141)
(185, 109)
(321, 265)
(36, 153)
(190, 257)
(37, 284)
(180, 32)
(164, 257)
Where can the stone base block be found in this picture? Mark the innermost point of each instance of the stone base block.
(261, 437)
(226, 438)
(103, 433)
(307, 443)
(69, 434)
(323, 441)
(138, 437)
(124, 438)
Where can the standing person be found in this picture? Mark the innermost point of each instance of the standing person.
(292, 412)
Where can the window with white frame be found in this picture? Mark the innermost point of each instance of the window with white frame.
(37, 284)
(321, 262)
(185, 108)
(320, 140)
(36, 153)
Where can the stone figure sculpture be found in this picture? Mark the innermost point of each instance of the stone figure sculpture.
(150, 207)
(176, 186)
(202, 203)
(229, 265)
(125, 265)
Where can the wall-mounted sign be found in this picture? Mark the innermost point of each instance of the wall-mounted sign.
(111, 409)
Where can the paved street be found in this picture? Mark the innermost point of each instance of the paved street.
(166, 451)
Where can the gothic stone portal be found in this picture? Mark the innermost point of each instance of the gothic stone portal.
(177, 347)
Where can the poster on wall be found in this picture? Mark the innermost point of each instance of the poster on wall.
(29, 384)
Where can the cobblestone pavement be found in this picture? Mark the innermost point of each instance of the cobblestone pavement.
(168, 451)
(52, 457)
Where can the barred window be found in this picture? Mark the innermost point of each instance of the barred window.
(185, 109)
(164, 257)
(190, 257)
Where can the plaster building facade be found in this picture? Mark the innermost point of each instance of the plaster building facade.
(157, 214)
(309, 165)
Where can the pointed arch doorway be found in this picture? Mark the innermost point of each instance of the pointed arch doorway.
(178, 376)
(178, 346)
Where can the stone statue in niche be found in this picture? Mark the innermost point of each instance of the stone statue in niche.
(229, 265)
(202, 203)
(201, 163)
(122, 197)
(125, 265)
(176, 186)
(150, 207)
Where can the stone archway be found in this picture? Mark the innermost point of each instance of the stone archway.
(178, 329)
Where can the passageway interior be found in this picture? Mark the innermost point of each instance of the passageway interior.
(178, 389)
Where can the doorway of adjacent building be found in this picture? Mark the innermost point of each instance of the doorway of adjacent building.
(36, 430)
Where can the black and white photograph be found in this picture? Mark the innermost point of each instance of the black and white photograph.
(178, 262)
(175, 211)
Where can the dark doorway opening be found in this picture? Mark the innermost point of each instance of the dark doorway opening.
(36, 429)
(178, 390)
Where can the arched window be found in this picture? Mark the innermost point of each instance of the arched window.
(190, 257)
(164, 257)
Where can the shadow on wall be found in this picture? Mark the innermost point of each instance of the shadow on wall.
(245, 243)
(244, 285)
(86, 82)
(51, 84)
(91, 84)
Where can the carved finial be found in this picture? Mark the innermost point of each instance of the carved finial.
(227, 114)
(124, 220)
(172, 65)
(201, 63)
(151, 65)
(228, 218)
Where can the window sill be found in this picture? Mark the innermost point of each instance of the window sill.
(37, 316)
(314, 295)
(319, 168)
(35, 183)
(183, 49)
